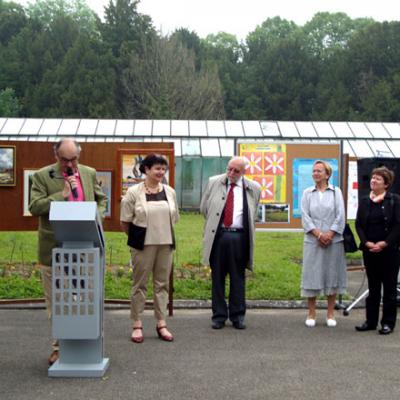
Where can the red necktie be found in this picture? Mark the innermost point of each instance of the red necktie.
(228, 213)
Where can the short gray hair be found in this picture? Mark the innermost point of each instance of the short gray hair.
(242, 159)
(58, 144)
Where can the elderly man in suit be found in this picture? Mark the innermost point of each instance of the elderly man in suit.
(229, 205)
(66, 180)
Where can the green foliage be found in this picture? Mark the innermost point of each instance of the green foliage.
(9, 105)
(124, 29)
(61, 60)
(192, 42)
(328, 33)
(17, 287)
(18, 247)
(12, 20)
(277, 264)
(223, 52)
(80, 85)
(48, 11)
(117, 287)
(163, 83)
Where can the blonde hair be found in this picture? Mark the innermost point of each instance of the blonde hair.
(327, 167)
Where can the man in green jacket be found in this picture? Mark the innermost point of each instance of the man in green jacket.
(66, 180)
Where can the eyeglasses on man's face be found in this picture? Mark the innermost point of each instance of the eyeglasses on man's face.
(234, 170)
(68, 160)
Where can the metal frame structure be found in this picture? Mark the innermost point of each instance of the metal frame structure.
(210, 138)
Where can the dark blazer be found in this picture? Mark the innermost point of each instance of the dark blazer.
(391, 212)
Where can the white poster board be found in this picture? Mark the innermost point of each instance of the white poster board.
(352, 191)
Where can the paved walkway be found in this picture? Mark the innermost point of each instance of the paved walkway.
(277, 357)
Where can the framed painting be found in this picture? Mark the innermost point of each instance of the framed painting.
(104, 179)
(129, 168)
(28, 173)
(7, 166)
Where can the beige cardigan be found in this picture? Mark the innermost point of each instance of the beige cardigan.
(134, 205)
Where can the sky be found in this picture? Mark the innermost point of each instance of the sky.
(239, 17)
(6, 158)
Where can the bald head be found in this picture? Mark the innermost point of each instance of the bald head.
(67, 143)
(67, 153)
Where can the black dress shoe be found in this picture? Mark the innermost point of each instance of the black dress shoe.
(217, 324)
(238, 325)
(365, 327)
(385, 330)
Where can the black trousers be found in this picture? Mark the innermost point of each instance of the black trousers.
(228, 257)
(382, 270)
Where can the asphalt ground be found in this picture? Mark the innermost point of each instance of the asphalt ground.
(276, 357)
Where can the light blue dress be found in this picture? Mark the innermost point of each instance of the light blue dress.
(324, 269)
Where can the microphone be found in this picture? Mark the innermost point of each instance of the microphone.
(73, 190)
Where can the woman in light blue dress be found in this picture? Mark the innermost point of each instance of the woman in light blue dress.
(324, 262)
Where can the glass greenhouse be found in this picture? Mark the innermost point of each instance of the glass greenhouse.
(202, 148)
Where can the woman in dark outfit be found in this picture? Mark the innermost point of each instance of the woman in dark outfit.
(378, 226)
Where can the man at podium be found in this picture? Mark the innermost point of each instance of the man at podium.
(66, 180)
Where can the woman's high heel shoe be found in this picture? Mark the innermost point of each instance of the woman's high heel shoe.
(167, 338)
(137, 339)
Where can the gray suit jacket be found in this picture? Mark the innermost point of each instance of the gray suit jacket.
(212, 206)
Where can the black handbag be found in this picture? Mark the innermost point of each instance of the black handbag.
(136, 236)
(349, 242)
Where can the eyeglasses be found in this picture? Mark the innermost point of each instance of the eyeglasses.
(68, 160)
(235, 170)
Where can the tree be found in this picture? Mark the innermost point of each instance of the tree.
(191, 41)
(33, 52)
(328, 32)
(164, 83)
(383, 101)
(12, 20)
(125, 32)
(224, 52)
(372, 57)
(280, 72)
(124, 29)
(47, 11)
(9, 105)
(268, 34)
(81, 86)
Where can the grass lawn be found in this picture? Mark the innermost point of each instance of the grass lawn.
(276, 275)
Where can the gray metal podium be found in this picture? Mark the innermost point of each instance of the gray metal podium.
(78, 294)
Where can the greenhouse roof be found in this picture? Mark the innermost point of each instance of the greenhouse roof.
(210, 138)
